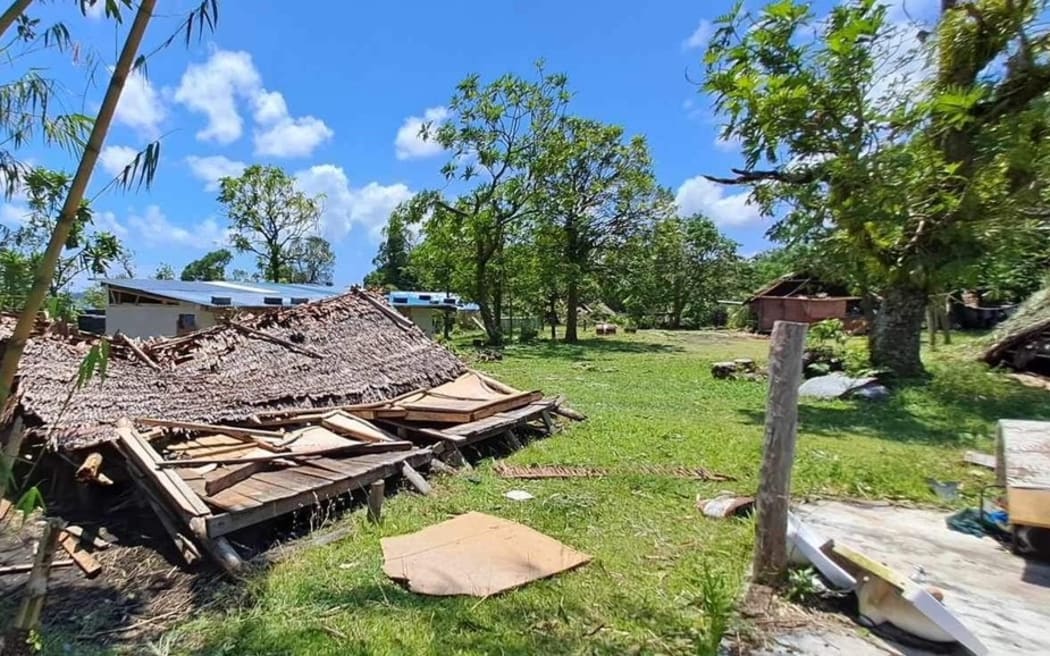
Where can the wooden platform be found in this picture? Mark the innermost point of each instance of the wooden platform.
(536, 414)
(1023, 467)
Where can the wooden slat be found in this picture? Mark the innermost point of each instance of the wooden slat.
(175, 488)
(225, 477)
(229, 522)
(350, 426)
(290, 479)
(211, 428)
(262, 491)
(319, 473)
(348, 450)
(348, 467)
(229, 500)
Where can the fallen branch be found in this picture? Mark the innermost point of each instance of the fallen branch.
(137, 350)
(276, 340)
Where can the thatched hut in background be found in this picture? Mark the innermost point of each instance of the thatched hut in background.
(804, 298)
(348, 349)
(1022, 342)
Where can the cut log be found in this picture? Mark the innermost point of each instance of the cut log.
(137, 350)
(416, 479)
(90, 470)
(561, 408)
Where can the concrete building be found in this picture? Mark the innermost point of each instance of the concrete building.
(428, 309)
(155, 308)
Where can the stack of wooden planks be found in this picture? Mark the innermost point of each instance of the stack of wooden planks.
(225, 478)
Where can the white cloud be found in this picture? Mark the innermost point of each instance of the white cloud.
(107, 222)
(216, 87)
(347, 206)
(213, 168)
(701, 195)
(211, 89)
(292, 137)
(409, 144)
(140, 107)
(113, 159)
(700, 36)
(97, 10)
(13, 214)
(156, 230)
(730, 145)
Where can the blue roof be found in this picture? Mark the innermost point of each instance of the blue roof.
(241, 294)
(427, 299)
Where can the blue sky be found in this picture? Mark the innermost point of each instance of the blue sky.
(336, 99)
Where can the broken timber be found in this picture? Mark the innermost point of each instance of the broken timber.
(497, 425)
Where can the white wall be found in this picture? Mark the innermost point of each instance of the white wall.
(153, 319)
(429, 319)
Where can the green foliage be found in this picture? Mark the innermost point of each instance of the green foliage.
(800, 584)
(95, 363)
(164, 272)
(269, 217)
(93, 297)
(392, 263)
(829, 332)
(212, 266)
(312, 261)
(717, 601)
(910, 185)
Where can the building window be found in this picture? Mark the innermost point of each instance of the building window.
(187, 323)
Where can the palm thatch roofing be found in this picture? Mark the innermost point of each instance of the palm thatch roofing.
(345, 350)
(1025, 336)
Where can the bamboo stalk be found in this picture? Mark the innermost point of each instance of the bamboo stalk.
(16, 344)
(28, 616)
(12, 13)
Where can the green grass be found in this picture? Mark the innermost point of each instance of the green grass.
(651, 399)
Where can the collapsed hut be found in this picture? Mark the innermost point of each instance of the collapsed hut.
(1022, 342)
(804, 298)
(263, 415)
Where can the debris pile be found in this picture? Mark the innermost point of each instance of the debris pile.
(739, 369)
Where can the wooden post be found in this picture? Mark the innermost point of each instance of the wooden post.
(416, 479)
(375, 501)
(778, 454)
(28, 616)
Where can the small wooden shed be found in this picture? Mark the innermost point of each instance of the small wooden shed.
(804, 298)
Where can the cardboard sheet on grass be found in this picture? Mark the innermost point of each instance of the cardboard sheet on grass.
(475, 554)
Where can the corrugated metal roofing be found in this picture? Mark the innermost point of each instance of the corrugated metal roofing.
(423, 299)
(241, 294)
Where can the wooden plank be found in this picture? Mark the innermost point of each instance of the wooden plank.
(350, 426)
(1029, 506)
(417, 480)
(493, 383)
(84, 560)
(348, 450)
(291, 479)
(343, 467)
(212, 428)
(228, 522)
(980, 459)
(229, 500)
(174, 487)
(225, 477)
(319, 472)
(262, 491)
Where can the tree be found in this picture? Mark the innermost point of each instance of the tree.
(164, 272)
(495, 139)
(907, 180)
(93, 297)
(312, 261)
(592, 186)
(143, 167)
(392, 260)
(212, 266)
(268, 217)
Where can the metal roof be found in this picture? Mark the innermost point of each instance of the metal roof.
(439, 300)
(241, 294)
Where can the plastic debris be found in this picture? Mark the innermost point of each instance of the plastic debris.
(518, 495)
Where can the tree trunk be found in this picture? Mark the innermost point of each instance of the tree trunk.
(897, 333)
(572, 310)
(482, 293)
(68, 216)
(12, 13)
(554, 318)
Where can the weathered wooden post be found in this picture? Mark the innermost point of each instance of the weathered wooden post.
(376, 493)
(778, 454)
(28, 616)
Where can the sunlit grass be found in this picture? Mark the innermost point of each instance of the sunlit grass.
(651, 400)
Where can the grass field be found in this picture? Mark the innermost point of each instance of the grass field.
(657, 563)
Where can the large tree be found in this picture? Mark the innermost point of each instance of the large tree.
(495, 138)
(268, 216)
(312, 261)
(593, 185)
(908, 179)
(392, 261)
(212, 266)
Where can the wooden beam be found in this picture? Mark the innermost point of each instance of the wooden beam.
(137, 350)
(235, 431)
(778, 456)
(559, 407)
(292, 346)
(220, 479)
(512, 440)
(90, 470)
(494, 384)
(28, 567)
(28, 616)
(183, 543)
(416, 479)
(376, 493)
(174, 487)
(348, 450)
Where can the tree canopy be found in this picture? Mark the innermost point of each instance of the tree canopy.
(212, 266)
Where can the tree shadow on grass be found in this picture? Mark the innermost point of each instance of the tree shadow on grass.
(585, 349)
(951, 407)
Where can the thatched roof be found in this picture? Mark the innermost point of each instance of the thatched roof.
(345, 350)
(1029, 324)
